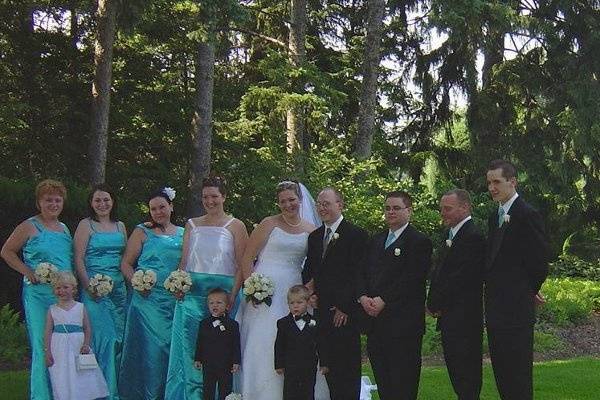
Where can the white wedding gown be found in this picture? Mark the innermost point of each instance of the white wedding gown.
(281, 259)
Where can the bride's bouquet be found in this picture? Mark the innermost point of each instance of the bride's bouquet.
(259, 288)
(179, 283)
(143, 280)
(100, 285)
(45, 271)
(233, 396)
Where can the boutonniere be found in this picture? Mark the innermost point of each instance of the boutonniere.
(506, 218)
(312, 323)
(397, 251)
(219, 324)
(335, 236)
(448, 242)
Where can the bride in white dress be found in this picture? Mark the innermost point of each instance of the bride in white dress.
(280, 242)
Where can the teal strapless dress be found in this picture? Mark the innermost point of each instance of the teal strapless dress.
(55, 248)
(148, 328)
(107, 314)
(211, 263)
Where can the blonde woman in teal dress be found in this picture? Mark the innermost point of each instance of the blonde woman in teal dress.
(99, 244)
(155, 246)
(212, 248)
(42, 238)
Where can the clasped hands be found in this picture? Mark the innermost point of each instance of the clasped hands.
(372, 305)
(234, 368)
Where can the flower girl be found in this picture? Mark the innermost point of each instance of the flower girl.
(66, 336)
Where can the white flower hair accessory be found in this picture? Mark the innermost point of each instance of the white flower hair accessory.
(170, 192)
(448, 242)
(397, 251)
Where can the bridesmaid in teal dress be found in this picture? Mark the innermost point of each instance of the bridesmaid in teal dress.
(42, 238)
(99, 244)
(152, 246)
(212, 247)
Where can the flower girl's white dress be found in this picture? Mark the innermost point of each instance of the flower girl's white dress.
(281, 259)
(67, 382)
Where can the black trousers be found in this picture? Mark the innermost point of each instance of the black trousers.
(396, 363)
(343, 346)
(299, 385)
(462, 352)
(211, 378)
(511, 351)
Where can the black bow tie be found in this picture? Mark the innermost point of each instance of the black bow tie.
(306, 317)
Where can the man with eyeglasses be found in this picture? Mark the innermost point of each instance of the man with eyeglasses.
(334, 253)
(391, 291)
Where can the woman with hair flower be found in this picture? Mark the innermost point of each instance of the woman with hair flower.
(99, 243)
(45, 241)
(212, 249)
(155, 248)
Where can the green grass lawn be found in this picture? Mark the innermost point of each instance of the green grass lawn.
(575, 379)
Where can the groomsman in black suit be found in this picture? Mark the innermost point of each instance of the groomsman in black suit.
(391, 291)
(456, 295)
(516, 267)
(334, 254)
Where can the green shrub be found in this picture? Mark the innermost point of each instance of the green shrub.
(546, 341)
(13, 337)
(572, 266)
(569, 301)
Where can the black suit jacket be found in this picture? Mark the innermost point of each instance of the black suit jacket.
(516, 266)
(218, 350)
(457, 284)
(397, 275)
(334, 272)
(297, 349)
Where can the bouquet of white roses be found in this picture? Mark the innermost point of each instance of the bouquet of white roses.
(143, 280)
(259, 288)
(179, 282)
(100, 285)
(233, 396)
(44, 272)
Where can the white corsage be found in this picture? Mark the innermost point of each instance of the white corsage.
(170, 192)
(259, 288)
(179, 282)
(397, 251)
(233, 396)
(100, 285)
(44, 272)
(448, 242)
(506, 218)
(143, 280)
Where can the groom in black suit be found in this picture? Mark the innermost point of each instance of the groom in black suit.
(456, 295)
(516, 268)
(334, 254)
(391, 291)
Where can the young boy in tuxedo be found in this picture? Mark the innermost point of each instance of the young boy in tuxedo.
(296, 349)
(217, 347)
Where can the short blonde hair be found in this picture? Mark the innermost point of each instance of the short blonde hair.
(62, 277)
(298, 291)
(50, 186)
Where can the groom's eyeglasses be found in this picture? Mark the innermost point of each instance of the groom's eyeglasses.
(395, 208)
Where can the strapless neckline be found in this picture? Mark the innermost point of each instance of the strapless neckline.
(289, 233)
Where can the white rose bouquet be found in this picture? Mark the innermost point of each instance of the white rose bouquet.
(179, 283)
(233, 396)
(45, 271)
(100, 285)
(259, 288)
(143, 281)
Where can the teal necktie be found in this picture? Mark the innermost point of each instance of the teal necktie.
(501, 214)
(390, 239)
(450, 235)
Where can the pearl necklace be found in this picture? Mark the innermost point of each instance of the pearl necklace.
(292, 225)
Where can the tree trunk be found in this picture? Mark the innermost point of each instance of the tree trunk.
(295, 124)
(201, 126)
(103, 54)
(368, 95)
